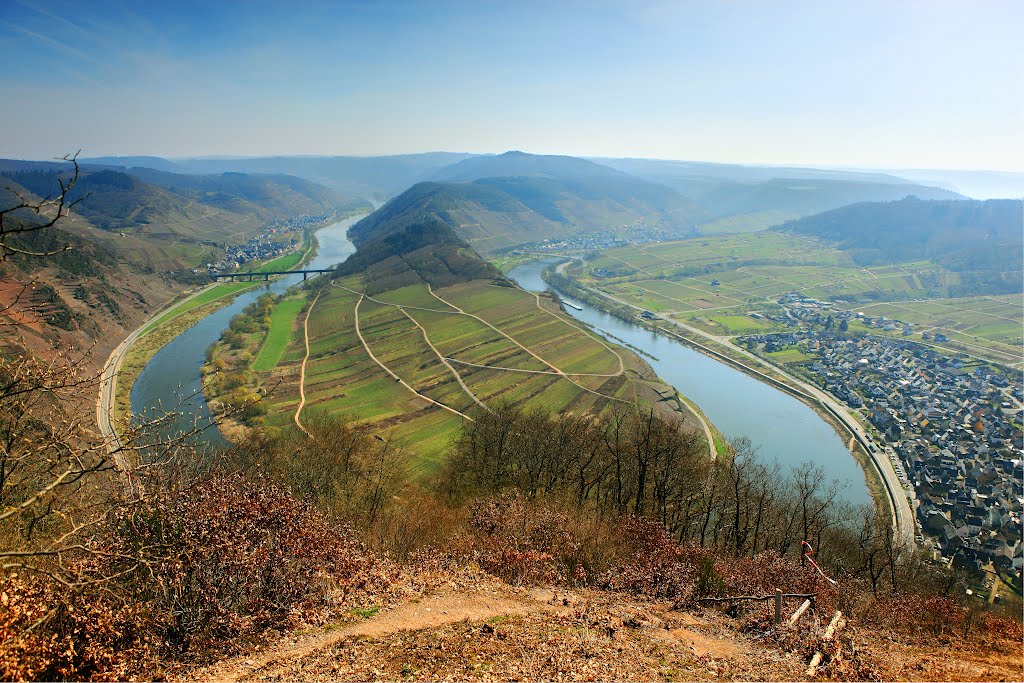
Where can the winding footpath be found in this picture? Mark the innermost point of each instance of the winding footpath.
(302, 369)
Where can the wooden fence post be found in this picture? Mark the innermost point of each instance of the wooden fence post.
(778, 606)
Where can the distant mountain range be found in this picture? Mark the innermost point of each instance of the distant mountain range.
(170, 221)
(375, 178)
(724, 190)
(704, 197)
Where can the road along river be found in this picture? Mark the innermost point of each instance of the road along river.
(171, 379)
(782, 427)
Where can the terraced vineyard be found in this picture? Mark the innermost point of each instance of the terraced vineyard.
(416, 363)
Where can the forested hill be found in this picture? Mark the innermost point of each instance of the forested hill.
(576, 192)
(496, 202)
(226, 208)
(411, 239)
(981, 239)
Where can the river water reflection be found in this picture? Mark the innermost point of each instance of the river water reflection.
(780, 426)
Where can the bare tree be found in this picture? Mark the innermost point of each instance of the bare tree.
(24, 215)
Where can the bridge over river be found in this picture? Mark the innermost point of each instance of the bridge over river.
(265, 274)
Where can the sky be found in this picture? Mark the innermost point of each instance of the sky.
(890, 84)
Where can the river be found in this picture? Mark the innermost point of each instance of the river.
(780, 426)
(171, 379)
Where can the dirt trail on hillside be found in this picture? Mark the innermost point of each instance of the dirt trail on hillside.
(394, 376)
(302, 370)
(431, 611)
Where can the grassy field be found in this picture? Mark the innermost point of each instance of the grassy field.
(496, 340)
(787, 356)
(715, 282)
(282, 327)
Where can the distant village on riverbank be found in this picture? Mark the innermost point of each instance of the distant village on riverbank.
(276, 239)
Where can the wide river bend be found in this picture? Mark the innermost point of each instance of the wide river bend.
(780, 426)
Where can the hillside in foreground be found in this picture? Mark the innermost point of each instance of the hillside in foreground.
(512, 589)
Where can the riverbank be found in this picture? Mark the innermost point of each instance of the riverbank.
(882, 486)
(179, 315)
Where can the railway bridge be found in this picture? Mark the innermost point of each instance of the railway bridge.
(265, 274)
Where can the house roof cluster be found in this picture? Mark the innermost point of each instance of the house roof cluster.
(951, 430)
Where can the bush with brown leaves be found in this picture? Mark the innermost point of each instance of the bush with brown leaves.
(49, 631)
(233, 557)
(523, 541)
(187, 574)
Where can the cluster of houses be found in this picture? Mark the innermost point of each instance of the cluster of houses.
(256, 249)
(603, 239)
(797, 308)
(277, 239)
(952, 429)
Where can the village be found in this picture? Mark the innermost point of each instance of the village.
(951, 428)
(639, 233)
(278, 238)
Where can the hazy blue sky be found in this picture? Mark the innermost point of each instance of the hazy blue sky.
(854, 83)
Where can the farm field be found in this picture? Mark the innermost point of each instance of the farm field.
(748, 222)
(714, 283)
(282, 325)
(988, 326)
(440, 357)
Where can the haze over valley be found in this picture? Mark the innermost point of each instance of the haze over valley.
(498, 343)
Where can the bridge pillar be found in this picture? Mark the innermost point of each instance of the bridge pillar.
(266, 276)
(304, 274)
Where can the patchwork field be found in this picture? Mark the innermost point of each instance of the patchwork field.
(416, 363)
(986, 325)
(716, 282)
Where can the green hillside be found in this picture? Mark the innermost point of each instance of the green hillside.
(983, 241)
(575, 191)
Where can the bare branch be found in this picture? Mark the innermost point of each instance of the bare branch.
(49, 210)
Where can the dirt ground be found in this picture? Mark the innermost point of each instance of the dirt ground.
(482, 630)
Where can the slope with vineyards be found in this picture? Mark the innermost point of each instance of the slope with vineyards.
(415, 335)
